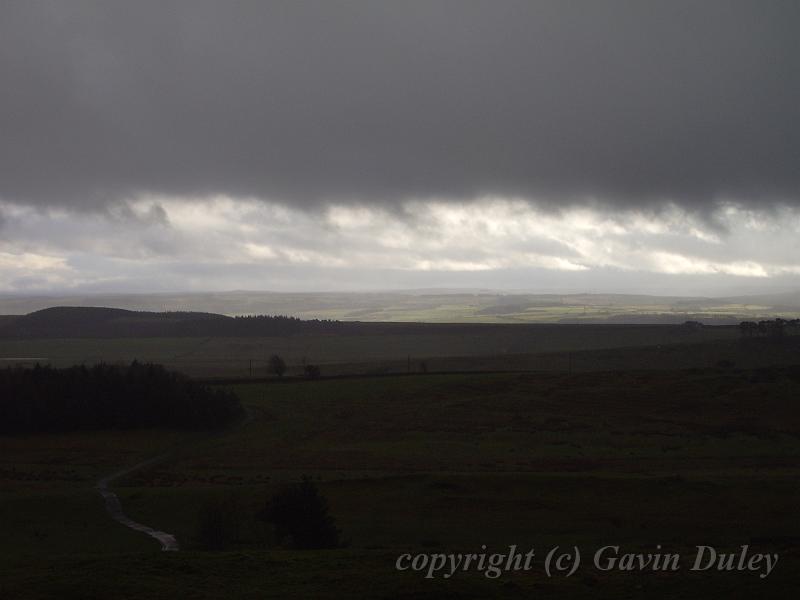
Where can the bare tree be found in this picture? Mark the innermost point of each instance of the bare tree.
(312, 371)
(277, 365)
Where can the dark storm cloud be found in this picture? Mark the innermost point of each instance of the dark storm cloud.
(631, 102)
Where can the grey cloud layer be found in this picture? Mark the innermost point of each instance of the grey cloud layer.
(227, 243)
(630, 102)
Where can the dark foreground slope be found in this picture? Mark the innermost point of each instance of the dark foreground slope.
(431, 464)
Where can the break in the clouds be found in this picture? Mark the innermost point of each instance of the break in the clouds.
(168, 244)
(198, 144)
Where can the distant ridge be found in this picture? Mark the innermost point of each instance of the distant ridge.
(103, 322)
(95, 321)
(434, 306)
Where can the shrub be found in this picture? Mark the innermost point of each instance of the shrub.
(218, 524)
(211, 533)
(299, 514)
(277, 365)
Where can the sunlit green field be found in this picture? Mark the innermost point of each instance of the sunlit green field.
(593, 311)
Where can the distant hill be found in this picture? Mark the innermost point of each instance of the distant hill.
(93, 322)
(103, 322)
(435, 306)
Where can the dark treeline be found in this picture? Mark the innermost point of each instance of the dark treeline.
(44, 399)
(774, 328)
(97, 322)
(257, 325)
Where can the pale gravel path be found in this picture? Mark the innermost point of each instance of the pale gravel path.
(114, 507)
(169, 542)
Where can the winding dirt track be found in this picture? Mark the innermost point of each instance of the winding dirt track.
(114, 508)
(169, 542)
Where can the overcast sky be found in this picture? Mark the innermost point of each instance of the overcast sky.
(579, 146)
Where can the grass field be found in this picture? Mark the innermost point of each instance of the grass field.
(354, 353)
(428, 463)
(47, 500)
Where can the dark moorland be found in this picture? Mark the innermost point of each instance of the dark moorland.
(638, 436)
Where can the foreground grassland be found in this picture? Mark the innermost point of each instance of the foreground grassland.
(47, 499)
(428, 463)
